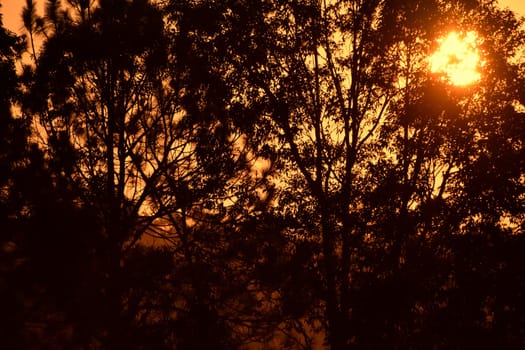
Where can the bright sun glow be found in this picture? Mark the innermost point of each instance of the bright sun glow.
(457, 58)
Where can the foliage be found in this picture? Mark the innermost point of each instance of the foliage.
(245, 174)
(381, 162)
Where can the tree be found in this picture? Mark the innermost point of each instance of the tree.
(38, 212)
(228, 174)
(377, 154)
(125, 117)
(13, 134)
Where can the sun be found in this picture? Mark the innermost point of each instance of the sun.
(457, 58)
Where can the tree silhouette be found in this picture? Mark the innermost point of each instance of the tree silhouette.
(261, 174)
(377, 155)
(128, 125)
(13, 134)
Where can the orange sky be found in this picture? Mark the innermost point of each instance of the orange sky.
(517, 6)
(11, 10)
(11, 13)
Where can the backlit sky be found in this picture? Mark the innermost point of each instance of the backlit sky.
(11, 10)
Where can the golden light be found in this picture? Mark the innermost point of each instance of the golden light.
(457, 58)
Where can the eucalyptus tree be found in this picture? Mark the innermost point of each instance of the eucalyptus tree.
(380, 159)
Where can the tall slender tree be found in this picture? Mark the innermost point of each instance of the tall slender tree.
(13, 146)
